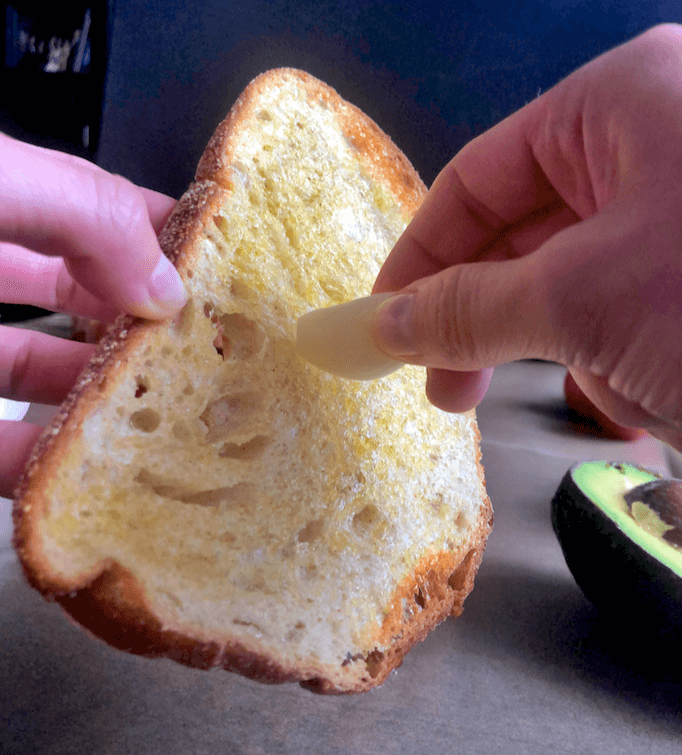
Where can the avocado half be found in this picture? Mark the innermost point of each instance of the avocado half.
(620, 528)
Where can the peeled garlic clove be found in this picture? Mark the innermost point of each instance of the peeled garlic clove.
(337, 339)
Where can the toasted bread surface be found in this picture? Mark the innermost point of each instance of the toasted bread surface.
(204, 494)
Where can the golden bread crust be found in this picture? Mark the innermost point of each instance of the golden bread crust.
(380, 157)
(108, 600)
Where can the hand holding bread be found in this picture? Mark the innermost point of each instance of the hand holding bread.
(72, 239)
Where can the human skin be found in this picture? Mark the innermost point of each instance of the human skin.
(75, 239)
(557, 235)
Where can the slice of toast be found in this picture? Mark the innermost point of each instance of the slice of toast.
(206, 495)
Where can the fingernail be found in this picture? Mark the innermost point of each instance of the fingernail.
(392, 326)
(166, 289)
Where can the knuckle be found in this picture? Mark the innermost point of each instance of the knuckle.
(648, 382)
(119, 204)
(451, 306)
(482, 217)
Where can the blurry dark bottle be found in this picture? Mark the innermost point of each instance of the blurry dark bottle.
(52, 81)
(54, 65)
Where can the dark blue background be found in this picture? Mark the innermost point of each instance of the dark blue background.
(165, 72)
(432, 74)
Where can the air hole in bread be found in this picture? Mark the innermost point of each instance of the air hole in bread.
(407, 610)
(172, 598)
(265, 115)
(311, 532)
(310, 572)
(245, 451)
(436, 587)
(242, 623)
(366, 518)
(188, 390)
(142, 386)
(182, 431)
(374, 662)
(184, 320)
(240, 290)
(462, 522)
(241, 494)
(458, 578)
(241, 337)
(146, 420)
(236, 336)
(228, 414)
(419, 598)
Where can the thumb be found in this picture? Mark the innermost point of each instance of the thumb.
(460, 323)
(101, 224)
(465, 318)
(592, 297)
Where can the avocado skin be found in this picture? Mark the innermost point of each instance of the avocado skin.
(628, 586)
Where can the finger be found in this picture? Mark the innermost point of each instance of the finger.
(39, 367)
(30, 278)
(544, 305)
(492, 184)
(669, 436)
(17, 440)
(622, 411)
(159, 205)
(457, 391)
(622, 417)
(99, 223)
(606, 425)
(465, 319)
(524, 165)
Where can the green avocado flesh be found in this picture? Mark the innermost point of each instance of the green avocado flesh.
(614, 545)
(605, 485)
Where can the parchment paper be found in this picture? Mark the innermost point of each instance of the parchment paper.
(528, 668)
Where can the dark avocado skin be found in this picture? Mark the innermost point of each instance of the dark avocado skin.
(629, 587)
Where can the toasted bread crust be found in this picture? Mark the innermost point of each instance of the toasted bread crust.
(377, 153)
(109, 602)
(107, 364)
